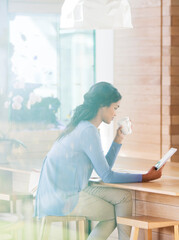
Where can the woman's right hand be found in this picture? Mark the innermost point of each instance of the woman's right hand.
(119, 135)
(152, 174)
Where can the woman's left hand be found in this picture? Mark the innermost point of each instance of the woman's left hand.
(152, 174)
(119, 135)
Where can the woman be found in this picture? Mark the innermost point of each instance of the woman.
(63, 187)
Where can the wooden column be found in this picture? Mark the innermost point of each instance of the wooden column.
(174, 110)
(170, 76)
(146, 72)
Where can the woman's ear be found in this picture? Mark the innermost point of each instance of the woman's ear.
(101, 106)
(100, 110)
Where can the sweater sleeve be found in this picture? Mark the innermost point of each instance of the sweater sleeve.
(112, 153)
(91, 146)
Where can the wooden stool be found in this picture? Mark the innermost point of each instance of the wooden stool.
(48, 220)
(149, 223)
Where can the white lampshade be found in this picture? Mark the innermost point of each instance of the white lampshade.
(95, 14)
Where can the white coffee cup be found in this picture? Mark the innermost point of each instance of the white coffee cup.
(126, 125)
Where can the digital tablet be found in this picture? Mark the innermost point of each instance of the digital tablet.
(162, 161)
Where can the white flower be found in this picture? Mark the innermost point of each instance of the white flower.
(18, 99)
(16, 105)
(33, 98)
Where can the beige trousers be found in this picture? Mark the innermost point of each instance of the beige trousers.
(103, 204)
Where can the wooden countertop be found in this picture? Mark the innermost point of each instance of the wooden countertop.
(168, 184)
(165, 185)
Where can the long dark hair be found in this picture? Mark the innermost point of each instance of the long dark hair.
(99, 95)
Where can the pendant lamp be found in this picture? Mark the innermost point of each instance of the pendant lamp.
(95, 14)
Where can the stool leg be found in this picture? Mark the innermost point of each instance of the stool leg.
(176, 233)
(42, 228)
(77, 231)
(81, 230)
(38, 228)
(134, 233)
(45, 230)
(148, 234)
(65, 230)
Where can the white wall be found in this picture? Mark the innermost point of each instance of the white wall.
(104, 72)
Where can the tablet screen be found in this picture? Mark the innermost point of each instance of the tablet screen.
(162, 161)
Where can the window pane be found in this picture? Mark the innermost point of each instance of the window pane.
(77, 71)
(46, 64)
(33, 50)
(33, 75)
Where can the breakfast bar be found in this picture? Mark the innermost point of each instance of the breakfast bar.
(159, 198)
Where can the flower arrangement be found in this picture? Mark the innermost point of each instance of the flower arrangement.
(26, 106)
